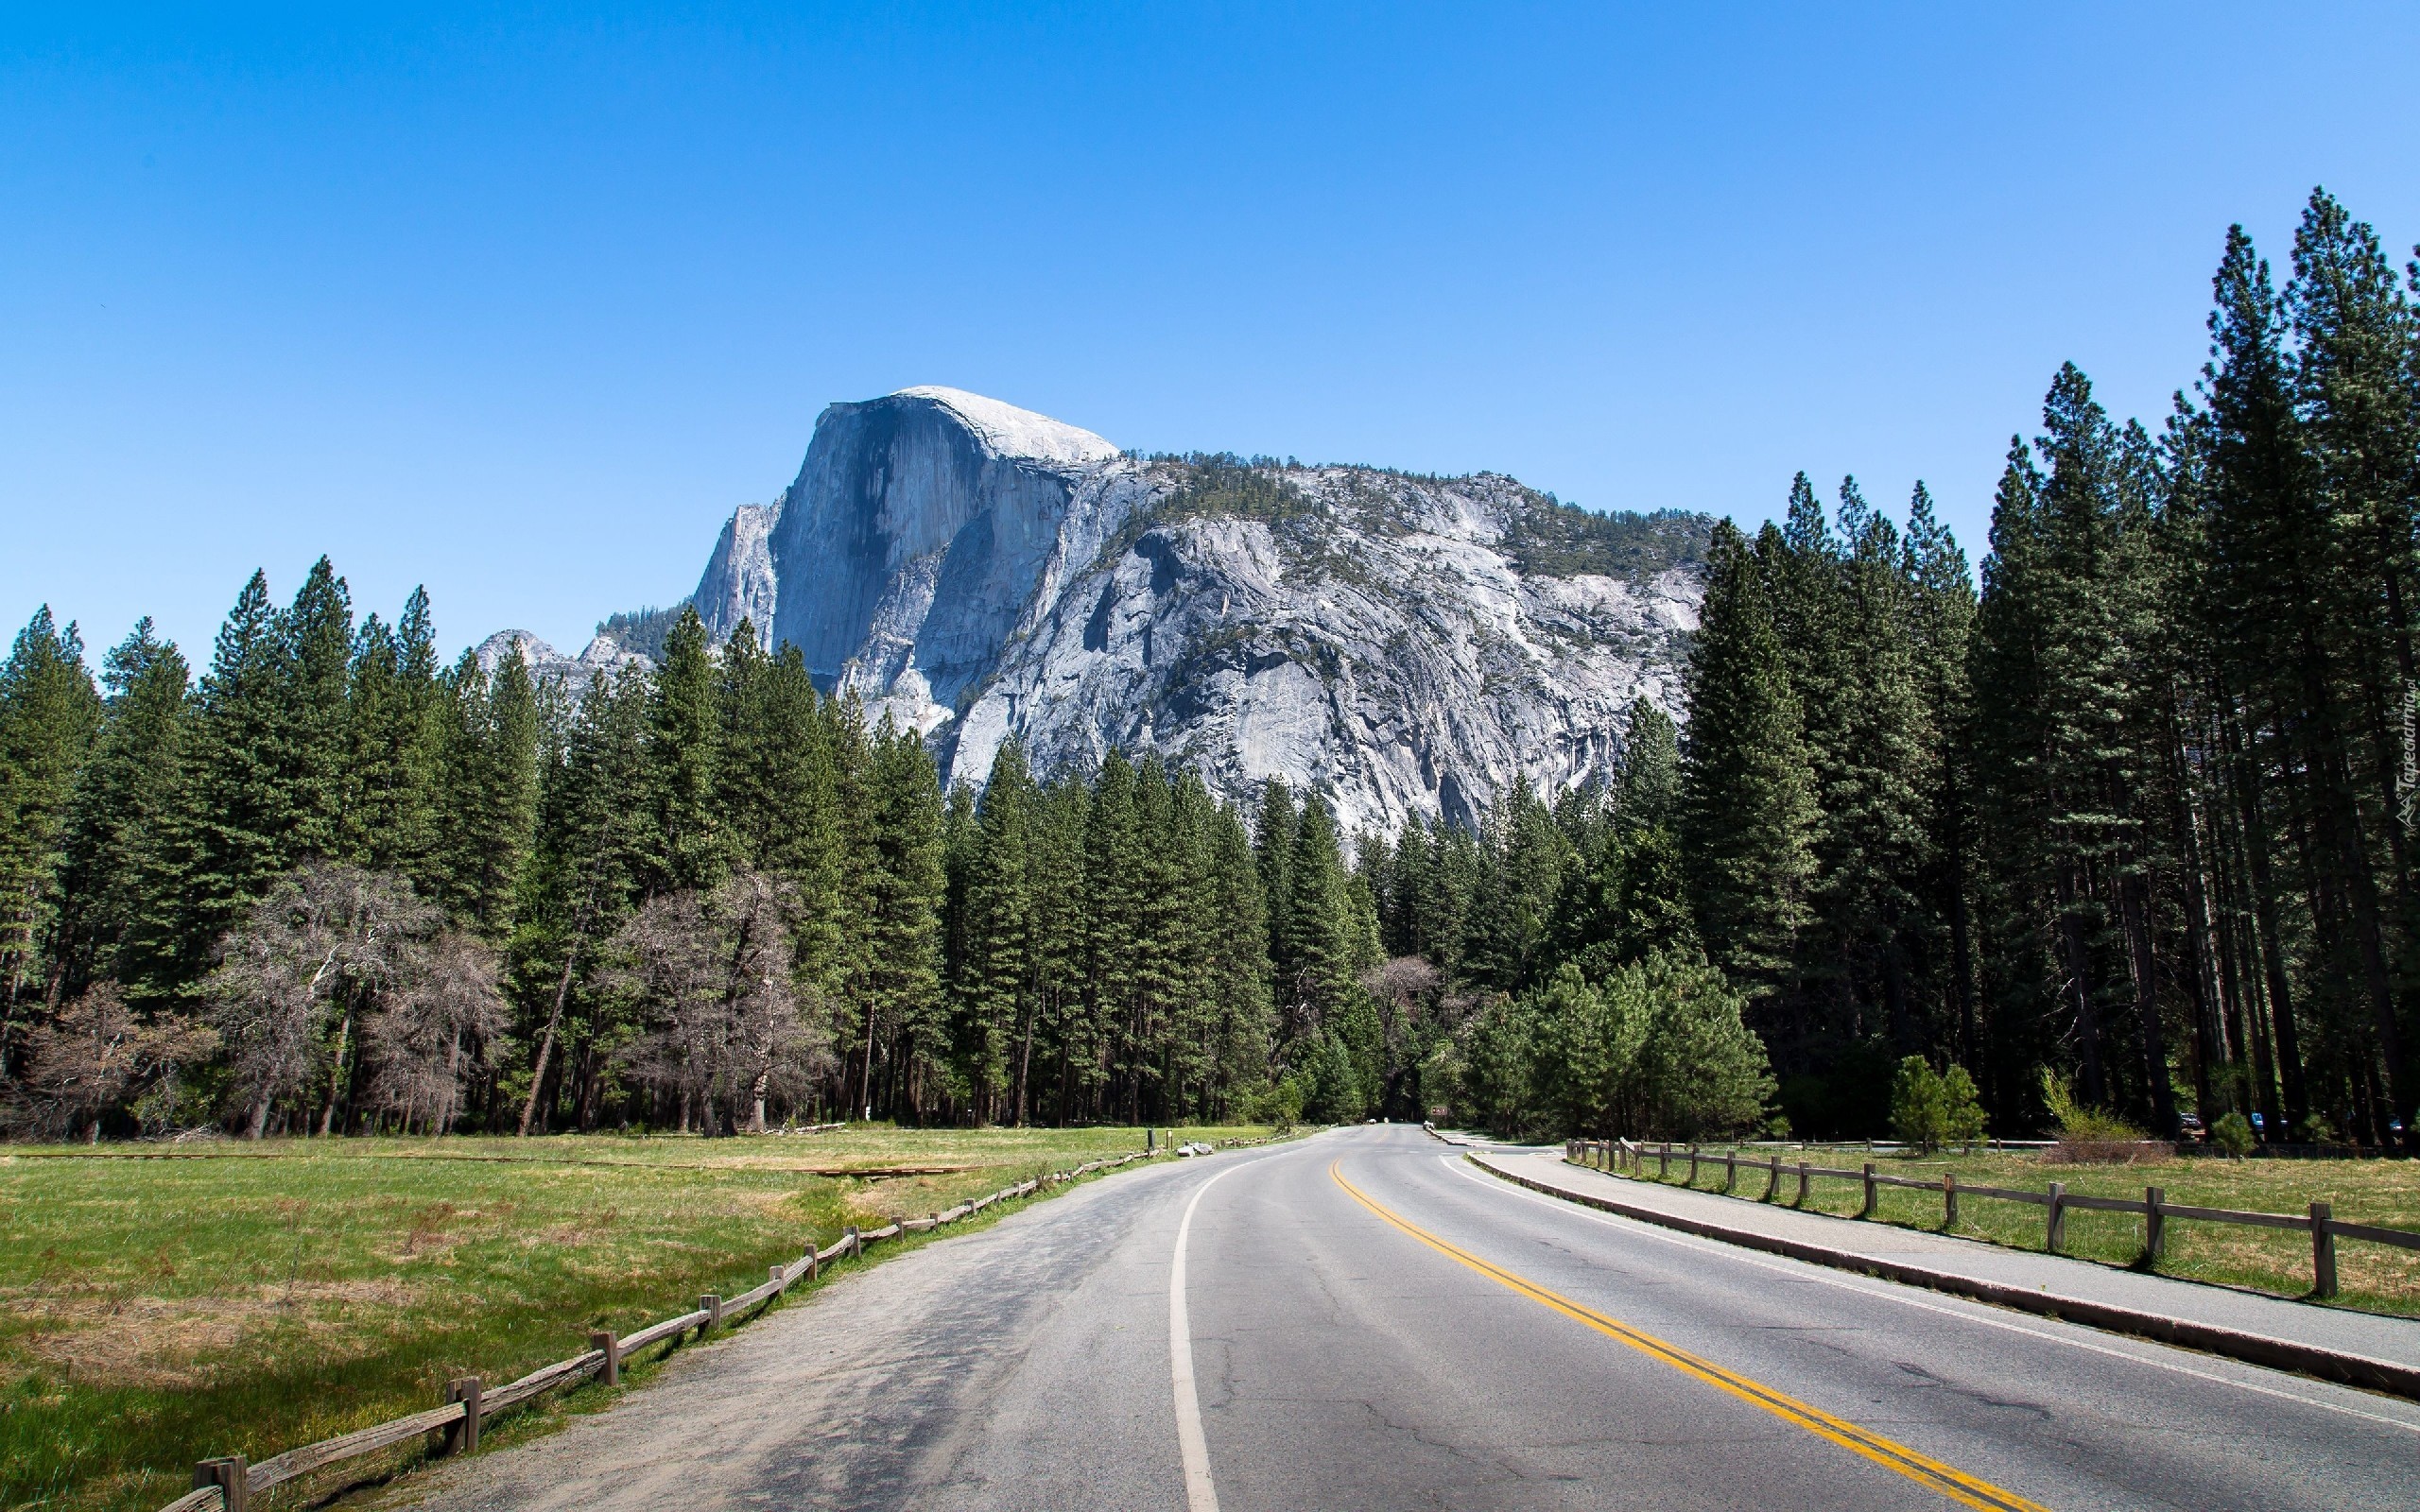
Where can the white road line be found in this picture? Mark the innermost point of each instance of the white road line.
(1893, 1294)
(1199, 1494)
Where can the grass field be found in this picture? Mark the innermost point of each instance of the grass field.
(2373, 1277)
(161, 1304)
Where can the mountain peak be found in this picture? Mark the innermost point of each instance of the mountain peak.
(1011, 432)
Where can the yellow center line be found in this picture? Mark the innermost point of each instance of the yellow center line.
(1929, 1474)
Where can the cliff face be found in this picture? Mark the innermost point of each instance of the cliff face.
(740, 582)
(1395, 643)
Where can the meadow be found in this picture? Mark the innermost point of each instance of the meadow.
(2372, 1278)
(163, 1304)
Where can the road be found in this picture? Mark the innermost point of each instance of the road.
(1372, 1323)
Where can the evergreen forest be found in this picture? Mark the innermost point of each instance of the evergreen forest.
(2122, 821)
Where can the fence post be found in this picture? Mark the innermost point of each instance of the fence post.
(2055, 1237)
(1693, 1164)
(780, 1279)
(1664, 1161)
(1802, 1183)
(814, 1261)
(857, 1245)
(599, 1339)
(712, 1306)
(463, 1437)
(1773, 1177)
(2323, 1252)
(2155, 1223)
(1730, 1171)
(229, 1476)
(1870, 1192)
(1950, 1199)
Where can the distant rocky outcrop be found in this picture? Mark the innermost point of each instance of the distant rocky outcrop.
(603, 654)
(1396, 644)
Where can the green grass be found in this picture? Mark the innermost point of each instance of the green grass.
(158, 1305)
(2371, 1278)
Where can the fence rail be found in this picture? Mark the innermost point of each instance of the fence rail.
(227, 1483)
(1623, 1158)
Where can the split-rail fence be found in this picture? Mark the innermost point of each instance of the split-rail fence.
(227, 1483)
(1622, 1157)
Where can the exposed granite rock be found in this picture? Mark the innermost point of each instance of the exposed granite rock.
(1395, 643)
(603, 654)
(740, 582)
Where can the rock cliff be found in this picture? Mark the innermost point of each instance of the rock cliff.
(1396, 644)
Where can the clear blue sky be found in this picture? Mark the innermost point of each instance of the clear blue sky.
(520, 302)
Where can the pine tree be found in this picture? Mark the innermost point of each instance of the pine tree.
(1314, 953)
(487, 796)
(391, 766)
(1747, 818)
(1245, 1025)
(777, 788)
(1117, 891)
(686, 726)
(49, 713)
(124, 798)
(311, 740)
(2263, 573)
(2361, 430)
(905, 888)
(588, 870)
(1940, 626)
(2062, 750)
(1274, 844)
(994, 982)
(1647, 792)
(1524, 858)
(1056, 1046)
(1865, 945)
(227, 839)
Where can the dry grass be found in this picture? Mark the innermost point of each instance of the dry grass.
(161, 1304)
(2371, 1278)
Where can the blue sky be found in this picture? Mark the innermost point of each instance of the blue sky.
(520, 301)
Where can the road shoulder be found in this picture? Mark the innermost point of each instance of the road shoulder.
(2361, 1350)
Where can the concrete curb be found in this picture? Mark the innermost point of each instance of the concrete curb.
(2252, 1348)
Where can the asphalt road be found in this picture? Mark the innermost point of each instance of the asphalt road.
(1372, 1323)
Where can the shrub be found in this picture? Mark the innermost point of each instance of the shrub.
(1931, 1109)
(2080, 1124)
(1919, 1105)
(1964, 1101)
(2232, 1134)
(1701, 1069)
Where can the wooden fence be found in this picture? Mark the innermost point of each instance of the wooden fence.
(228, 1483)
(1622, 1157)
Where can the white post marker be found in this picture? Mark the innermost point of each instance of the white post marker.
(1199, 1494)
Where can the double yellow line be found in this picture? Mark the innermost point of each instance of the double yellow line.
(1928, 1474)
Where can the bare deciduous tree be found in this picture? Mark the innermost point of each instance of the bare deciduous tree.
(713, 971)
(441, 1017)
(92, 1059)
(294, 973)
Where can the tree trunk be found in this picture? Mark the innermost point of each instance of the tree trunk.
(2079, 967)
(337, 1072)
(2134, 894)
(2284, 1042)
(547, 1042)
(1032, 1009)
